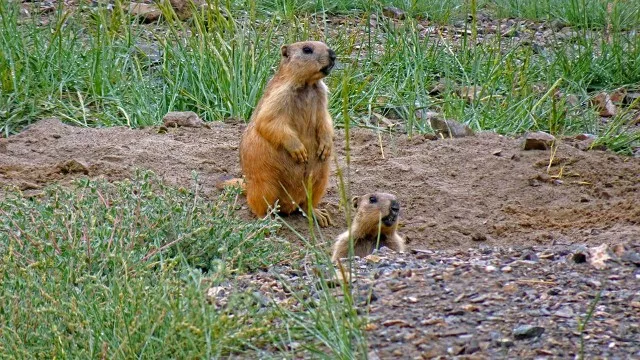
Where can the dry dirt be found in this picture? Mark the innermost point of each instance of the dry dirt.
(454, 192)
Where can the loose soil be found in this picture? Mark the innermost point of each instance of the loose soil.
(454, 193)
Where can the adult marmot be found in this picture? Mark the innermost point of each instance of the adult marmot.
(377, 213)
(288, 142)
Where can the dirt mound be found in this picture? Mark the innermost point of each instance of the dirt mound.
(454, 193)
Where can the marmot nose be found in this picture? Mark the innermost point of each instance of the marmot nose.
(395, 206)
(332, 55)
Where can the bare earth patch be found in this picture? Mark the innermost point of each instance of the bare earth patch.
(454, 193)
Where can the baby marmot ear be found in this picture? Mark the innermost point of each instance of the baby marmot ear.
(284, 50)
(354, 202)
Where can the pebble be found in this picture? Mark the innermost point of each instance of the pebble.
(411, 299)
(393, 12)
(527, 332)
(490, 268)
(506, 269)
(632, 257)
(564, 312)
(398, 322)
(538, 140)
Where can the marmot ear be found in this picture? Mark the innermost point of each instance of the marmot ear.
(354, 202)
(284, 50)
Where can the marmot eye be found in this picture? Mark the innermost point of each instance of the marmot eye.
(307, 50)
(373, 199)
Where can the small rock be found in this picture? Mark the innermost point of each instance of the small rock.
(183, 119)
(510, 288)
(490, 268)
(470, 308)
(410, 336)
(504, 343)
(527, 332)
(604, 105)
(394, 13)
(372, 355)
(544, 352)
(449, 128)
(371, 327)
(146, 12)
(632, 257)
(547, 256)
(599, 255)
(632, 100)
(411, 299)
(585, 141)
(183, 7)
(618, 95)
(398, 322)
(538, 140)
(506, 269)
(471, 347)
(593, 283)
(564, 312)
(478, 236)
(73, 166)
(373, 258)
(478, 299)
(453, 332)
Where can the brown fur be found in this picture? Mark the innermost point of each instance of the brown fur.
(376, 212)
(288, 143)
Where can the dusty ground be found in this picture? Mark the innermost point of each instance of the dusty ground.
(453, 192)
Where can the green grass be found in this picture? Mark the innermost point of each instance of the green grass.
(122, 270)
(96, 67)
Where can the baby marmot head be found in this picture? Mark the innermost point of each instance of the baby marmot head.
(377, 207)
(307, 61)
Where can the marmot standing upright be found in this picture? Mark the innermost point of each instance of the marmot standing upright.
(289, 139)
(376, 215)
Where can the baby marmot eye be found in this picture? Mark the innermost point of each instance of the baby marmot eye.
(373, 199)
(307, 50)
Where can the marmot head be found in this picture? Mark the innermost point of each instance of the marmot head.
(307, 61)
(374, 207)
